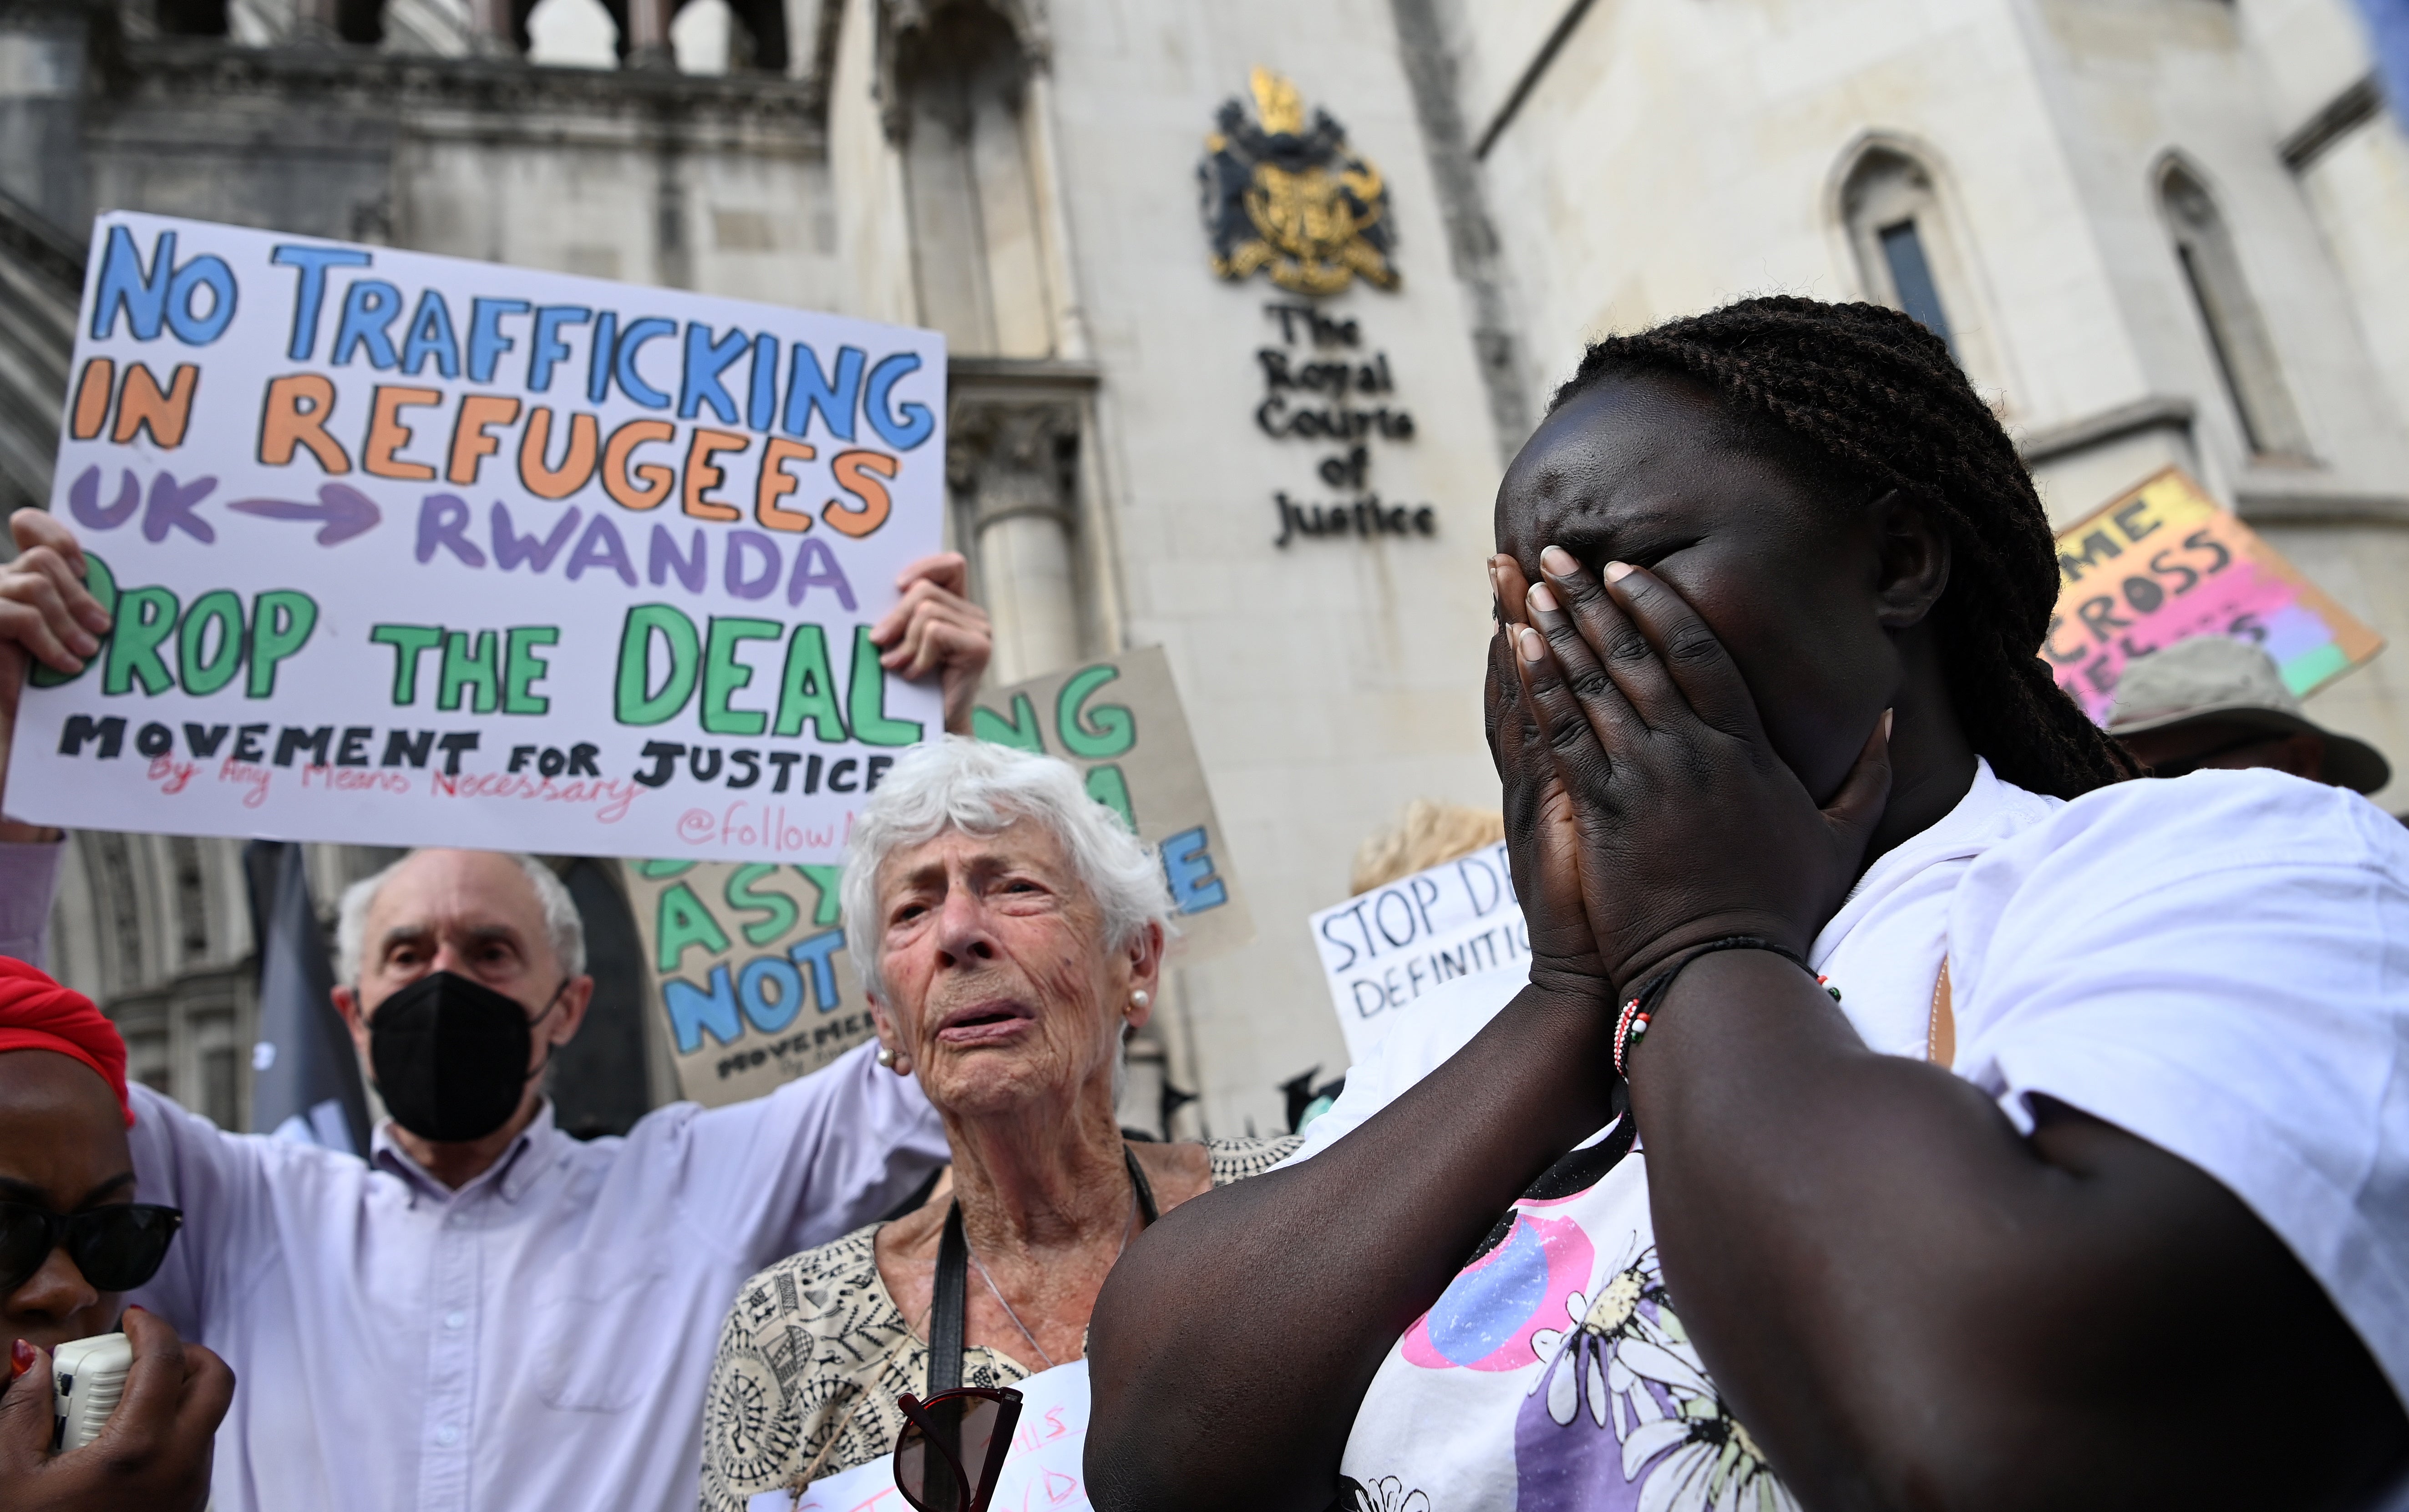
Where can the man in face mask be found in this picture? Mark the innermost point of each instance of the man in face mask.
(488, 1313)
(485, 1313)
(461, 990)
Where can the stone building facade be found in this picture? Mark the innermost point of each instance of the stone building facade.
(2154, 230)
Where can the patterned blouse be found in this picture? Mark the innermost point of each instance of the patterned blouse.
(815, 1352)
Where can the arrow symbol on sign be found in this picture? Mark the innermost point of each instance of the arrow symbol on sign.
(341, 511)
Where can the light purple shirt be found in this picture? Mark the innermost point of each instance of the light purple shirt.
(540, 1338)
(29, 880)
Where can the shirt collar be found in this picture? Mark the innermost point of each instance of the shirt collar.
(528, 1157)
(1992, 810)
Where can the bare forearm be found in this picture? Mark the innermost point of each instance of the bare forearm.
(1233, 1343)
(1908, 1302)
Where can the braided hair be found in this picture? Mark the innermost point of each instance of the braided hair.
(1861, 400)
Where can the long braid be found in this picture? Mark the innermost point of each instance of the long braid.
(1868, 399)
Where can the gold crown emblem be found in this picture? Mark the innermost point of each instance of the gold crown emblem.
(1292, 199)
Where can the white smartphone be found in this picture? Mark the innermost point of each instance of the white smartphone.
(87, 1377)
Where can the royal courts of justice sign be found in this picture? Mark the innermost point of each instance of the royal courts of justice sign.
(408, 550)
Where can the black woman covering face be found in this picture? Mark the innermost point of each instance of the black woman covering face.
(2069, 1170)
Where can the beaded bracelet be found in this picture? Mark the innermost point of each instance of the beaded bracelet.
(1630, 1024)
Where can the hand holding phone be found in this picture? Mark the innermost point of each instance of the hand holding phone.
(152, 1451)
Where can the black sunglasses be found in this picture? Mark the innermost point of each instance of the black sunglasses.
(117, 1248)
(952, 1446)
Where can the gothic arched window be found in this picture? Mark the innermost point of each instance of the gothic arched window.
(1901, 243)
(2238, 340)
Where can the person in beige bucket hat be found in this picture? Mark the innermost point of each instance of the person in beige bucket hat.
(2213, 701)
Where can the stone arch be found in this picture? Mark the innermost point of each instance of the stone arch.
(2240, 345)
(1892, 202)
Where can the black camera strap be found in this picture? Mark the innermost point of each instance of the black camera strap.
(950, 1304)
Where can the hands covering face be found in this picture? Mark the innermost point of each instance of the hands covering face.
(1646, 809)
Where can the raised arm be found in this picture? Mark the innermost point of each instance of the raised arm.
(1909, 1303)
(814, 1160)
(1234, 1343)
(46, 616)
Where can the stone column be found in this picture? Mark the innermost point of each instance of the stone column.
(489, 28)
(313, 21)
(648, 34)
(1071, 315)
(1005, 463)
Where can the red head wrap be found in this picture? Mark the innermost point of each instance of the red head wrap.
(38, 1013)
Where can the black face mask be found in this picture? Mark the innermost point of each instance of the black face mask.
(449, 1054)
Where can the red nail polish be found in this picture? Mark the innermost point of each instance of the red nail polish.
(20, 1358)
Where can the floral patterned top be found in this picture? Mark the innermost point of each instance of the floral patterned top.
(815, 1352)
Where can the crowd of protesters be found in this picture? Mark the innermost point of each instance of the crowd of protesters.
(1906, 1105)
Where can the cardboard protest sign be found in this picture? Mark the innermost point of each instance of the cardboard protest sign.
(1383, 949)
(410, 549)
(2163, 564)
(749, 973)
(1118, 719)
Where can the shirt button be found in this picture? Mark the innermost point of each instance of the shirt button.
(447, 1435)
(456, 1321)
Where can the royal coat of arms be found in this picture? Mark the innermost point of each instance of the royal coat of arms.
(1293, 201)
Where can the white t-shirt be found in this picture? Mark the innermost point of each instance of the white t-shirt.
(2217, 964)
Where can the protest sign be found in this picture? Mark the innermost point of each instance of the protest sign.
(1043, 1471)
(1383, 949)
(2163, 564)
(750, 978)
(411, 550)
(1118, 720)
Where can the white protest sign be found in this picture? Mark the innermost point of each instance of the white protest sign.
(408, 550)
(1042, 1473)
(1382, 949)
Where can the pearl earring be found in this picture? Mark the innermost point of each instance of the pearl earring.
(886, 1057)
(1139, 999)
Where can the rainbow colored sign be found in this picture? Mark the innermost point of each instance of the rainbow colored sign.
(2165, 563)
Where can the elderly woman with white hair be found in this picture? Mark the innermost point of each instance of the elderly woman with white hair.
(1010, 932)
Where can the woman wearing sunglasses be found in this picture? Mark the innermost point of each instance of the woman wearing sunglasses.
(72, 1242)
(1010, 934)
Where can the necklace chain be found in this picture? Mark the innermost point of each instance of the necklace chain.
(995, 1291)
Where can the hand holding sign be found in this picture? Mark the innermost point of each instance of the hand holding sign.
(47, 616)
(936, 628)
(408, 550)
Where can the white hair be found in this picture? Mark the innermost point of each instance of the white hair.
(979, 788)
(562, 925)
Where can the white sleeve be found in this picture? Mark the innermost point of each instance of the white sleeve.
(814, 1160)
(2219, 965)
(218, 1180)
(29, 884)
